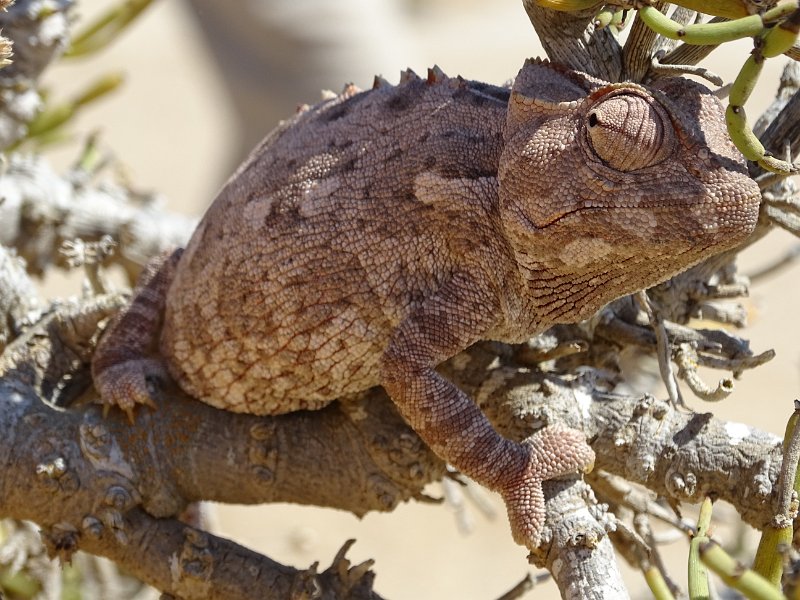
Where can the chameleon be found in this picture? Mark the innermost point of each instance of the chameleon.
(378, 233)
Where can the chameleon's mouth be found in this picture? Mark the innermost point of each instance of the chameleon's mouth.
(583, 209)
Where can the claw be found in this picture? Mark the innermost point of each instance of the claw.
(126, 385)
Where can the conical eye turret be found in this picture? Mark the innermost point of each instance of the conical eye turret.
(629, 132)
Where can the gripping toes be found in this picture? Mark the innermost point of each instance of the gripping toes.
(553, 452)
(127, 384)
(121, 367)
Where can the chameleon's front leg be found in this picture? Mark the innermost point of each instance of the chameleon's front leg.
(450, 422)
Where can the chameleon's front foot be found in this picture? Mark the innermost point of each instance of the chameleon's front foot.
(128, 384)
(553, 452)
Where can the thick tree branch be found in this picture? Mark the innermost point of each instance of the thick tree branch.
(94, 472)
(570, 38)
(19, 301)
(93, 477)
(40, 209)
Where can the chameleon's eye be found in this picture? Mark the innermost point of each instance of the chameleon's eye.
(628, 132)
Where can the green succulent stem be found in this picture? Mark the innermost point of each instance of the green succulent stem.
(604, 18)
(781, 38)
(19, 584)
(775, 32)
(709, 34)
(768, 561)
(698, 574)
(658, 586)
(736, 575)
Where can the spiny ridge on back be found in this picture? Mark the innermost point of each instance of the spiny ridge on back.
(434, 75)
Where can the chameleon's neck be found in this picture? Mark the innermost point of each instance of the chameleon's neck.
(550, 297)
(555, 288)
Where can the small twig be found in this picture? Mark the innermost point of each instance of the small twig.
(668, 536)
(619, 491)
(662, 349)
(725, 291)
(784, 128)
(454, 499)
(637, 547)
(621, 327)
(457, 489)
(781, 200)
(767, 180)
(528, 583)
(530, 354)
(659, 68)
(727, 313)
(480, 498)
(787, 220)
(737, 364)
(642, 525)
(90, 255)
(687, 360)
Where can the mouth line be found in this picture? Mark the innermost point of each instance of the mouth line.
(582, 209)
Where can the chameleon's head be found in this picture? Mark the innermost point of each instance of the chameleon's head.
(619, 184)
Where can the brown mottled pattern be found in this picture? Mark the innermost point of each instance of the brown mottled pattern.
(376, 234)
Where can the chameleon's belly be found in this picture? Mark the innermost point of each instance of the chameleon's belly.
(274, 362)
(294, 321)
(290, 332)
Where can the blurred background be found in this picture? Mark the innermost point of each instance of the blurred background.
(207, 79)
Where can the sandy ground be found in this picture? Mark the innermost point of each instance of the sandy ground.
(173, 127)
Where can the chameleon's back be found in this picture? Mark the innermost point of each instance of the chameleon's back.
(318, 246)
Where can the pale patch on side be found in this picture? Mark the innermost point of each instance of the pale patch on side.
(584, 250)
(258, 210)
(316, 196)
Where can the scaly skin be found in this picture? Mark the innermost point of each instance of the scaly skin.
(379, 233)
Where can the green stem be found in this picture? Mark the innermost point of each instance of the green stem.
(768, 561)
(55, 116)
(736, 575)
(657, 584)
(707, 34)
(698, 574)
